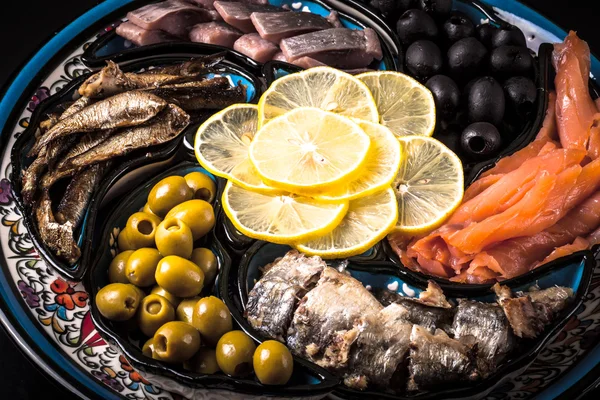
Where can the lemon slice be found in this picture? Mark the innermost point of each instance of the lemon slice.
(222, 144)
(429, 184)
(280, 217)
(368, 220)
(405, 106)
(307, 150)
(322, 87)
(380, 168)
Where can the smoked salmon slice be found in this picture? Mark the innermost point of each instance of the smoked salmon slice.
(548, 129)
(578, 244)
(575, 109)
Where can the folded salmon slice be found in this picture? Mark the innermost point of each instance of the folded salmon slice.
(594, 144)
(514, 161)
(513, 186)
(578, 244)
(480, 185)
(517, 256)
(575, 109)
(548, 129)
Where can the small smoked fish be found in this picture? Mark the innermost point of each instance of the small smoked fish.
(192, 68)
(77, 196)
(119, 111)
(272, 301)
(211, 94)
(436, 359)
(87, 142)
(58, 237)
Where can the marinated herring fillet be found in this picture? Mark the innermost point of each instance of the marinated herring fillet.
(238, 14)
(122, 110)
(255, 47)
(275, 26)
(337, 47)
(143, 37)
(172, 16)
(272, 301)
(322, 329)
(218, 33)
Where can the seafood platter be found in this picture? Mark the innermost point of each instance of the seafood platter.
(317, 199)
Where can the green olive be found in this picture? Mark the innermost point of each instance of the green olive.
(174, 238)
(123, 240)
(212, 319)
(273, 363)
(154, 312)
(118, 301)
(148, 347)
(207, 261)
(204, 362)
(116, 269)
(202, 185)
(179, 276)
(234, 353)
(185, 309)
(147, 210)
(197, 214)
(141, 266)
(167, 193)
(162, 292)
(141, 229)
(176, 342)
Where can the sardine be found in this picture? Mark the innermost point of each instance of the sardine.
(48, 123)
(436, 359)
(53, 119)
(58, 237)
(379, 353)
(77, 196)
(87, 142)
(272, 301)
(431, 310)
(211, 94)
(489, 328)
(122, 110)
(192, 68)
(529, 314)
(165, 127)
(323, 328)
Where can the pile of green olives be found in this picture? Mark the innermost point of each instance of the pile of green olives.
(156, 280)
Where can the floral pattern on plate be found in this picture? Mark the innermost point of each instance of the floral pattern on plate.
(62, 307)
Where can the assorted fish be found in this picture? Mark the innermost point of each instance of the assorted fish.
(534, 206)
(256, 29)
(117, 113)
(383, 340)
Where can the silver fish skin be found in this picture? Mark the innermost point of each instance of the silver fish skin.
(202, 95)
(119, 111)
(161, 129)
(57, 237)
(87, 142)
(272, 301)
(438, 359)
(486, 325)
(78, 194)
(380, 350)
(322, 329)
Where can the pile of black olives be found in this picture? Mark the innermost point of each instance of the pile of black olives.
(156, 281)
(481, 76)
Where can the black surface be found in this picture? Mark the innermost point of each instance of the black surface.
(26, 25)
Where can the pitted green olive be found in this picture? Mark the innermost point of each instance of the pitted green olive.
(141, 266)
(273, 363)
(116, 269)
(185, 309)
(179, 276)
(204, 362)
(148, 347)
(174, 238)
(202, 185)
(197, 214)
(207, 261)
(168, 193)
(162, 292)
(118, 301)
(234, 353)
(212, 319)
(154, 312)
(176, 342)
(141, 229)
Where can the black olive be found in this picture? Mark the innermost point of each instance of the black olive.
(414, 25)
(508, 61)
(486, 101)
(436, 7)
(520, 95)
(457, 27)
(480, 140)
(508, 36)
(393, 7)
(466, 58)
(423, 59)
(450, 136)
(446, 95)
(485, 33)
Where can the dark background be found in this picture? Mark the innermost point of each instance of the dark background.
(27, 24)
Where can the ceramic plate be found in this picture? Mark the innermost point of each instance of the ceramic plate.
(49, 316)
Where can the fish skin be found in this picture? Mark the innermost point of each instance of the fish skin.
(192, 68)
(487, 324)
(274, 26)
(322, 329)
(163, 128)
(58, 237)
(119, 111)
(74, 203)
(87, 142)
(202, 97)
(380, 350)
(438, 359)
(272, 301)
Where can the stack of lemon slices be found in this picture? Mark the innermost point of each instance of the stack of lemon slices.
(330, 163)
